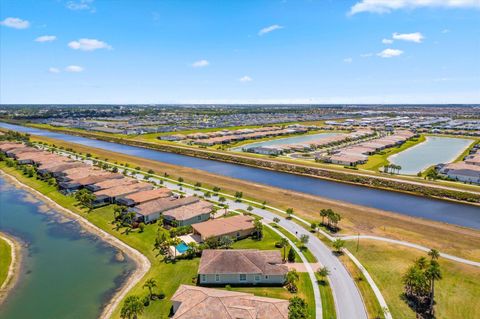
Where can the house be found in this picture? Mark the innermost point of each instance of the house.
(143, 197)
(79, 183)
(241, 267)
(57, 168)
(109, 195)
(189, 214)
(239, 226)
(461, 171)
(77, 173)
(152, 210)
(109, 184)
(5, 147)
(208, 303)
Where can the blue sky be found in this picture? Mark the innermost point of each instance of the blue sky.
(359, 51)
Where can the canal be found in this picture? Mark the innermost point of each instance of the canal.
(65, 272)
(428, 208)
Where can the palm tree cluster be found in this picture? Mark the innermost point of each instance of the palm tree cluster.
(392, 168)
(419, 284)
(291, 280)
(85, 197)
(332, 219)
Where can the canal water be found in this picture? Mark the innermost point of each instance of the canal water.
(65, 273)
(289, 140)
(423, 207)
(435, 150)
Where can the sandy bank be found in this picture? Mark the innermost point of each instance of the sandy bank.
(14, 267)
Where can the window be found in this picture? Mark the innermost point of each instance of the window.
(199, 217)
(243, 277)
(257, 278)
(217, 277)
(266, 277)
(238, 234)
(204, 278)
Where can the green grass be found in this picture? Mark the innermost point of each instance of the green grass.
(456, 294)
(328, 303)
(267, 243)
(466, 151)
(305, 291)
(377, 161)
(5, 260)
(306, 252)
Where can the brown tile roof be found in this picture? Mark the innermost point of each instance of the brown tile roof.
(163, 204)
(60, 166)
(123, 189)
(207, 303)
(146, 196)
(10, 146)
(242, 261)
(88, 180)
(114, 183)
(189, 211)
(223, 226)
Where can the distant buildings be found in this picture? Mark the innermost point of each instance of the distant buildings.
(466, 171)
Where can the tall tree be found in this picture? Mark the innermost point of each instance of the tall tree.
(132, 308)
(150, 284)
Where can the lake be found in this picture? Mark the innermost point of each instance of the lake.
(289, 140)
(435, 150)
(66, 272)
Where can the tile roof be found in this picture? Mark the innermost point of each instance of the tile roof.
(242, 261)
(189, 211)
(207, 303)
(223, 226)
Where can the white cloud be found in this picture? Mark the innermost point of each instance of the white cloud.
(269, 29)
(387, 6)
(348, 60)
(200, 64)
(416, 37)
(390, 53)
(445, 31)
(74, 69)
(54, 70)
(80, 5)
(387, 41)
(15, 23)
(245, 79)
(46, 38)
(88, 45)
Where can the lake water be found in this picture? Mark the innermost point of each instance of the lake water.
(435, 150)
(417, 206)
(289, 140)
(66, 273)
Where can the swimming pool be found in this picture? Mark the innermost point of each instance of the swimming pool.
(182, 247)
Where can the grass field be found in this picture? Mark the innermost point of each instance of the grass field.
(184, 271)
(457, 294)
(5, 260)
(328, 304)
(306, 252)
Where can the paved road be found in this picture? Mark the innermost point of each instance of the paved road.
(412, 245)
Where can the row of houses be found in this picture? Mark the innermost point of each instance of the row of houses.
(147, 202)
(467, 170)
(311, 145)
(230, 136)
(358, 154)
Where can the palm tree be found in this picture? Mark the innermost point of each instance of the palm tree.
(434, 254)
(284, 243)
(323, 272)
(150, 284)
(132, 307)
(433, 273)
(323, 214)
